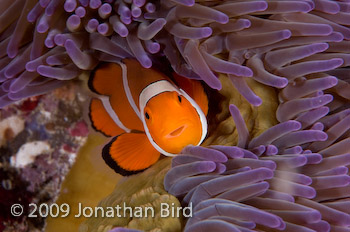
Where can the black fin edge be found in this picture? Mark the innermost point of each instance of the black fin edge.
(92, 123)
(111, 162)
(92, 76)
(90, 84)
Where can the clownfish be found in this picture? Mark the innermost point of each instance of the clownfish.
(146, 113)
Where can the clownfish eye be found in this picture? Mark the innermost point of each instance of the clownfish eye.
(147, 115)
(180, 99)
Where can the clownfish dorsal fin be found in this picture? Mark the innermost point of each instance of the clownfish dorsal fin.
(101, 119)
(194, 89)
(130, 153)
(103, 81)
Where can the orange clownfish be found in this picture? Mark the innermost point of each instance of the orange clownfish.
(146, 113)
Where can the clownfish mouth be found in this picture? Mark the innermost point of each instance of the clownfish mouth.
(176, 132)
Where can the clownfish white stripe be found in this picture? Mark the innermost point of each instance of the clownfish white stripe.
(107, 105)
(154, 89)
(127, 89)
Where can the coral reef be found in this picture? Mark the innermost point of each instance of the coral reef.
(41, 137)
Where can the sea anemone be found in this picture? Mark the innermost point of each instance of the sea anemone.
(44, 43)
(287, 178)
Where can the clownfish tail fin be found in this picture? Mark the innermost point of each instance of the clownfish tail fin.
(130, 153)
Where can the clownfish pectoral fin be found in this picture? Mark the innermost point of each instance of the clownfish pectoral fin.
(130, 153)
(194, 89)
(101, 120)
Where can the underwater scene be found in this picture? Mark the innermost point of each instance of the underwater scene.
(174, 115)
